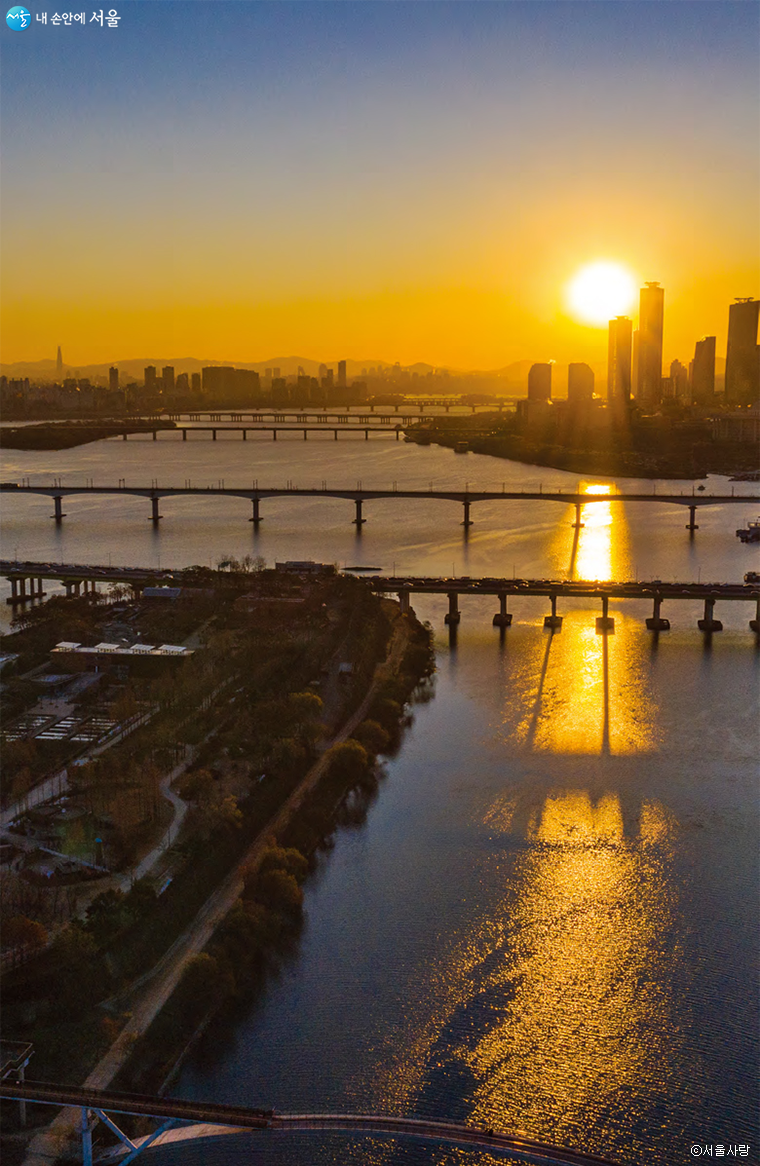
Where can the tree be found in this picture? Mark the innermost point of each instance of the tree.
(373, 737)
(23, 937)
(347, 761)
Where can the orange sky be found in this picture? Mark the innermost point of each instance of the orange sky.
(424, 191)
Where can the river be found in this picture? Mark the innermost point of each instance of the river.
(547, 920)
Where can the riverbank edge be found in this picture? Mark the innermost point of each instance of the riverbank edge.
(588, 463)
(51, 1144)
(44, 436)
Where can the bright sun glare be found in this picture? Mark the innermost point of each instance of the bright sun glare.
(600, 291)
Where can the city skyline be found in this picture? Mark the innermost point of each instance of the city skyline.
(423, 183)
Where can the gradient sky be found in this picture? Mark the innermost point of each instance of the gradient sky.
(401, 181)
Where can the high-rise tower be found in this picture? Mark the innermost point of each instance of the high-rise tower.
(743, 355)
(703, 372)
(540, 382)
(59, 365)
(649, 364)
(619, 363)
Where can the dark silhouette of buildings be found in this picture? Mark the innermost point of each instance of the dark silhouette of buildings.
(59, 365)
(580, 384)
(540, 382)
(150, 377)
(234, 385)
(702, 372)
(619, 363)
(167, 377)
(195, 382)
(182, 384)
(648, 385)
(341, 374)
(743, 354)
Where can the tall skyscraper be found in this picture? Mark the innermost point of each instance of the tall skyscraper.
(195, 382)
(619, 363)
(341, 374)
(167, 376)
(743, 355)
(580, 384)
(649, 364)
(113, 380)
(59, 365)
(540, 382)
(679, 379)
(150, 376)
(703, 372)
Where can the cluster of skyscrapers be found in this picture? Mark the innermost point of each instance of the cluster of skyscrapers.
(634, 363)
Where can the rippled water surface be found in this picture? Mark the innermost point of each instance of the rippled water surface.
(547, 920)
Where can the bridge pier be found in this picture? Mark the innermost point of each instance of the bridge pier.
(58, 505)
(692, 526)
(154, 516)
(256, 519)
(605, 623)
(245, 435)
(335, 434)
(14, 590)
(503, 618)
(304, 434)
(124, 435)
(578, 524)
(467, 522)
(708, 624)
(403, 598)
(553, 621)
(359, 520)
(184, 435)
(213, 435)
(155, 435)
(755, 623)
(453, 615)
(656, 623)
(366, 434)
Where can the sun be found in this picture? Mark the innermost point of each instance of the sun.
(600, 291)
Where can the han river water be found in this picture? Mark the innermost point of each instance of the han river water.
(547, 921)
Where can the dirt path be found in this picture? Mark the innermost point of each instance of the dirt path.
(162, 979)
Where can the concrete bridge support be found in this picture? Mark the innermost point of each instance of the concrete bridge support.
(553, 621)
(256, 519)
(656, 623)
(184, 435)
(467, 521)
(578, 524)
(58, 508)
(503, 618)
(453, 615)
(245, 435)
(708, 623)
(403, 598)
(692, 525)
(605, 623)
(154, 515)
(755, 623)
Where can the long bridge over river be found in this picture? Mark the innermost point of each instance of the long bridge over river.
(466, 497)
(96, 1105)
(27, 581)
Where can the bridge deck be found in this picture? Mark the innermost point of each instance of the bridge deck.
(243, 1118)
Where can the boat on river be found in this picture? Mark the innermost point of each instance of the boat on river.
(750, 533)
